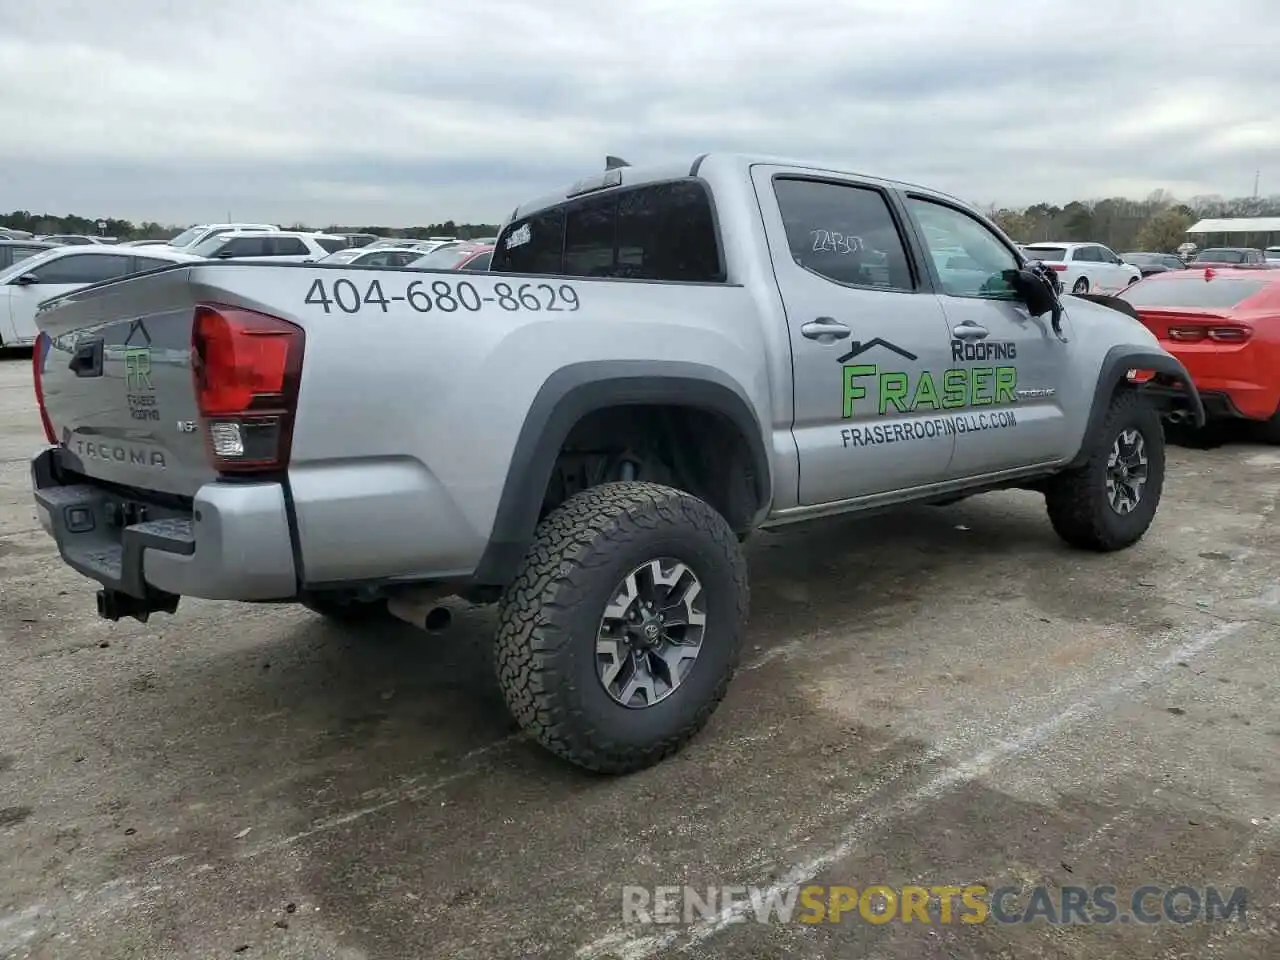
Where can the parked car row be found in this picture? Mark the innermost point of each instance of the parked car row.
(33, 270)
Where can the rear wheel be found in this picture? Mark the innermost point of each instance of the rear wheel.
(1081, 285)
(1109, 502)
(623, 628)
(1268, 431)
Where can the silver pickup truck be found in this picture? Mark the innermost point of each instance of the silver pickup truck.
(660, 362)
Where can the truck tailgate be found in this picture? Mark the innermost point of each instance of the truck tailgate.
(114, 366)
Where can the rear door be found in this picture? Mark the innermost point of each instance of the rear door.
(867, 338)
(53, 279)
(1007, 366)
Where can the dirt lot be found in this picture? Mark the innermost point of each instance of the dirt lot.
(946, 696)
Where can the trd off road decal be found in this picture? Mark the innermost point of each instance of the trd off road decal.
(874, 389)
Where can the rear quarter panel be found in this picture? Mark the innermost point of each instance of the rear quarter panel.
(407, 420)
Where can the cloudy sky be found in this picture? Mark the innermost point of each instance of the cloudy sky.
(404, 112)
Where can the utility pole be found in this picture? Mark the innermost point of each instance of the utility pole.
(1256, 175)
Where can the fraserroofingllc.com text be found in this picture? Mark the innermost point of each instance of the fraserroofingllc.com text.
(936, 904)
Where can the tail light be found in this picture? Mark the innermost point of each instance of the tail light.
(1194, 333)
(1059, 267)
(247, 368)
(37, 375)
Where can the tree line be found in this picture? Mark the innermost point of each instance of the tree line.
(45, 224)
(1159, 222)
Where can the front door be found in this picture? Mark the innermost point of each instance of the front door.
(1010, 363)
(864, 334)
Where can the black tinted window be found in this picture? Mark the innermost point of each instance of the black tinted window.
(1047, 254)
(844, 233)
(288, 247)
(245, 247)
(84, 268)
(661, 231)
(1192, 292)
(149, 263)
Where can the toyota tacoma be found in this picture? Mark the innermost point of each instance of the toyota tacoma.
(659, 362)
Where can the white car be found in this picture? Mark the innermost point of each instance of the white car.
(203, 231)
(278, 246)
(422, 246)
(1085, 267)
(61, 270)
(379, 257)
(1272, 254)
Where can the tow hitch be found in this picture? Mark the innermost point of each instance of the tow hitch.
(114, 605)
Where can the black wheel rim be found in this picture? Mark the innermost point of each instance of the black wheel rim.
(1127, 471)
(651, 633)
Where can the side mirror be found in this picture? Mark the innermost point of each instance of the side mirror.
(26, 279)
(1033, 289)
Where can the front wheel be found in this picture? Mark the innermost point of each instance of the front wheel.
(621, 632)
(1109, 502)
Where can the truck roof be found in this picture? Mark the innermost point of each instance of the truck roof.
(740, 162)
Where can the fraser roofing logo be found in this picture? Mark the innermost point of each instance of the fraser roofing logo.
(857, 348)
(137, 359)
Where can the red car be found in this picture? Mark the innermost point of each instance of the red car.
(458, 255)
(1224, 325)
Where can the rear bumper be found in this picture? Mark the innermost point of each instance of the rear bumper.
(233, 544)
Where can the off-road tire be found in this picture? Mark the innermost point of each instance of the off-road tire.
(550, 618)
(1077, 501)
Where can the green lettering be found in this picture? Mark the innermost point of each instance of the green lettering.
(981, 386)
(926, 394)
(1006, 382)
(893, 390)
(955, 388)
(855, 391)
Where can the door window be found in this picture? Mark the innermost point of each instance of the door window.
(82, 269)
(287, 247)
(1087, 255)
(843, 233)
(970, 259)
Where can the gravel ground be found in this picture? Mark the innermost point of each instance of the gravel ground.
(942, 696)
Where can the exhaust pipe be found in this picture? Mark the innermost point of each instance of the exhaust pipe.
(421, 608)
(1177, 417)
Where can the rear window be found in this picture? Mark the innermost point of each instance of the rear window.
(332, 244)
(1051, 254)
(1221, 256)
(480, 264)
(660, 231)
(1192, 292)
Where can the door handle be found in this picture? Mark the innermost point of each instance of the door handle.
(825, 330)
(970, 331)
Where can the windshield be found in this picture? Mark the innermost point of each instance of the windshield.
(1220, 256)
(186, 236)
(1192, 293)
(446, 258)
(207, 248)
(342, 256)
(1052, 254)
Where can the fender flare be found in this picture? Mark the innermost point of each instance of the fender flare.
(1115, 365)
(566, 397)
